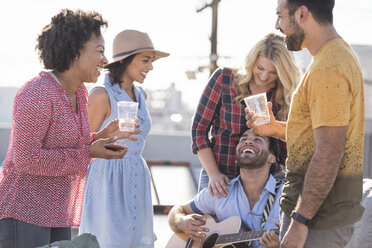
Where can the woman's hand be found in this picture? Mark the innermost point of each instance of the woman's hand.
(217, 185)
(267, 129)
(103, 148)
(112, 129)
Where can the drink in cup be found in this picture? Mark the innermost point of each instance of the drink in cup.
(127, 113)
(257, 104)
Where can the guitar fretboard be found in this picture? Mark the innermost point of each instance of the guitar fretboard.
(239, 237)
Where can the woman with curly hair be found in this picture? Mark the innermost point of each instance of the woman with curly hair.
(269, 68)
(50, 147)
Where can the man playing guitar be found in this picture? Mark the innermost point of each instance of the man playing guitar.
(253, 196)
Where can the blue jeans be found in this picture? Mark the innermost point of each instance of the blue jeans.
(19, 234)
(204, 179)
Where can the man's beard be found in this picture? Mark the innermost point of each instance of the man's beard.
(294, 41)
(253, 163)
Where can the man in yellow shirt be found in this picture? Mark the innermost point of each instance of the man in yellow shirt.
(324, 132)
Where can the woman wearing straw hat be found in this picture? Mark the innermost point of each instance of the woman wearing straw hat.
(42, 183)
(117, 206)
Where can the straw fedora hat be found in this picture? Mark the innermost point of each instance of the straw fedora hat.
(129, 42)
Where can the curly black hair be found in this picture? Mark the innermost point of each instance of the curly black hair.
(61, 41)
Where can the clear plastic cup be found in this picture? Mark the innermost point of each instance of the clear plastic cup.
(127, 114)
(257, 104)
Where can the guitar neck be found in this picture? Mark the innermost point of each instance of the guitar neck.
(239, 237)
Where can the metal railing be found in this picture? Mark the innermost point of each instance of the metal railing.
(160, 207)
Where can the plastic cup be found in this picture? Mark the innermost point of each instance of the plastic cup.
(127, 114)
(257, 104)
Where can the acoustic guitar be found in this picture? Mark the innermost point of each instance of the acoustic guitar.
(227, 233)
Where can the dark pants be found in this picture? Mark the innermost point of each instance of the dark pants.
(317, 238)
(19, 234)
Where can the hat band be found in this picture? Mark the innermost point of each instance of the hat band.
(132, 51)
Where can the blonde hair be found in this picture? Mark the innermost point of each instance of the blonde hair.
(272, 47)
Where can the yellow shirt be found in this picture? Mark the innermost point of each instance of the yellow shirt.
(330, 94)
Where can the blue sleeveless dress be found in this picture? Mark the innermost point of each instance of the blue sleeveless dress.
(117, 206)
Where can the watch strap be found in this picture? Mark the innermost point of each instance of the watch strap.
(298, 217)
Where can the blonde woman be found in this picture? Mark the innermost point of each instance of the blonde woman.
(220, 119)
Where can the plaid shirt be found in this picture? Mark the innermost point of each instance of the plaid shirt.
(219, 114)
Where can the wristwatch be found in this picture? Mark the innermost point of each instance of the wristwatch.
(298, 217)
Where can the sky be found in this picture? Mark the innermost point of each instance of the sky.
(173, 25)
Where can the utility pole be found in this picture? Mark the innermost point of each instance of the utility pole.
(213, 56)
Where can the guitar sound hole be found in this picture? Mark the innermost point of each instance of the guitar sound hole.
(210, 241)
